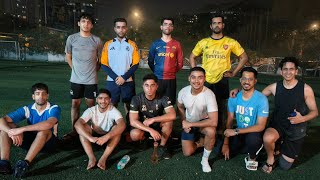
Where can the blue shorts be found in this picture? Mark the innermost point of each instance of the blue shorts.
(29, 137)
(126, 91)
(193, 135)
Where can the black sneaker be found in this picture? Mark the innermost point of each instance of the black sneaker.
(20, 168)
(163, 152)
(5, 167)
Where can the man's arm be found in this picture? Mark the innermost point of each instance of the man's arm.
(105, 62)
(212, 121)
(79, 126)
(243, 60)
(116, 131)
(69, 59)
(271, 89)
(151, 56)
(134, 122)
(225, 147)
(311, 103)
(192, 60)
(41, 126)
(181, 111)
(259, 127)
(170, 115)
(179, 57)
(4, 123)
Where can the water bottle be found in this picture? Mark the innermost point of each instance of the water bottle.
(123, 161)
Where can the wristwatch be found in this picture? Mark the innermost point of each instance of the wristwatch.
(236, 131)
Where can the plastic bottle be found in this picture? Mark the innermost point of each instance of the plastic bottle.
(123, 161)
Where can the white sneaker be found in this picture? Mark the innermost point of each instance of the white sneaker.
(205, 166)
(251, 165)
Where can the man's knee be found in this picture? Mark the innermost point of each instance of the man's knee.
(45, 134)
(270, 136)
(284, 164)
(76, 103)
(210, 132)
(167, 126)
(136, 134)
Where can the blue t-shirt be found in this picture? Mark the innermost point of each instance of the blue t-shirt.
(247, 112)
(32, 115)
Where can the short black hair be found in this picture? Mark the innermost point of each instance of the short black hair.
(167, 18)
(249, 69)
(119, 20)
(197, 68)
(294, 60)
(150, 77)
(86, 16)
(104, 91)
(39, 86)
(216, 15)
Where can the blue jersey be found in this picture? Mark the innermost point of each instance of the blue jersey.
(32, 115)
(247, 112)
(165, 59)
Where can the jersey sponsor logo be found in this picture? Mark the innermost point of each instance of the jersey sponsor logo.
(225, 46)
(215, 56)
(144, 108)
(166, 55)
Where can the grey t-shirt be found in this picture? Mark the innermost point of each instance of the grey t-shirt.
(85, 52)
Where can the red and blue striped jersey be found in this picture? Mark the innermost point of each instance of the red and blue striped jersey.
(165, 59)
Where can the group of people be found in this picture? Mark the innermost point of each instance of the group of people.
(202, 105)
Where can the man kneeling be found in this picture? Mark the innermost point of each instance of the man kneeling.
(106, 126)
(37, 136)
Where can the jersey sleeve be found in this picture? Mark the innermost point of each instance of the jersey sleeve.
(237, 49)
(166, 102)
(55, 111)
(99, 50)
(134, 105)
(68, 48)
(211, 102)
(263, 110)
(197, 51)
(180, 94)
(19, 114)
(87, 115)
(117, 115)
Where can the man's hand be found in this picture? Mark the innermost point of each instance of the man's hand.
(148, 121)
(186, 124)
(103, 139)
(15, 131)
(155, 135)
(93, 139)
(226, 151)
(228, 74)
(17, 139)
(233, 93)
(296, 119)
(120, 81)
(229, 132)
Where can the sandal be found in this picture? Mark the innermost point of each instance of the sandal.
(268, 168)
(251, 165)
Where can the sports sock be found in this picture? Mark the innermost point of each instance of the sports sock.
(205, 162)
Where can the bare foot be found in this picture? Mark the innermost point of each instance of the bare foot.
(102, 164)
(91, 164)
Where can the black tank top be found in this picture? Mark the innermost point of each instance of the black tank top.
(286, 100)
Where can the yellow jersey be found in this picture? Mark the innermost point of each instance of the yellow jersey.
(216, 56)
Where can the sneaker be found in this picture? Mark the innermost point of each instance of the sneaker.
(205, 165)
(251, 165)
(20, 168)
(164, 153)
(5, 167)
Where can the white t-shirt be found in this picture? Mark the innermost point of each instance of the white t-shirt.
(197, 106)
(104, 120)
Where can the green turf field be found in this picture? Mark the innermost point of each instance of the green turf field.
(69, 162)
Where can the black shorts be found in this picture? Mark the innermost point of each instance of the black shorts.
(79, 91)
(220, 89)
(167, 87)
(290, 148)
(126, 91)
(29, 136)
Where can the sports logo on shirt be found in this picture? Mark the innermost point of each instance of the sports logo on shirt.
(171, 55)
(225, 46)
(127, 48)
(144, 108)
(112, 48)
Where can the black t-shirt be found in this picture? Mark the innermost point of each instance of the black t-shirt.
(149, 108)
(286, 100)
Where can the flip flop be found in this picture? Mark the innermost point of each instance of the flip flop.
(268, 168)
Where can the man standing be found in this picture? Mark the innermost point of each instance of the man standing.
(216, 51)
(250, 108)
(199, 115)
(120, 59)
(294, 105)
(106, 126)
(83, 50)
(37, 136)
(147, 115)
(166, 59)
